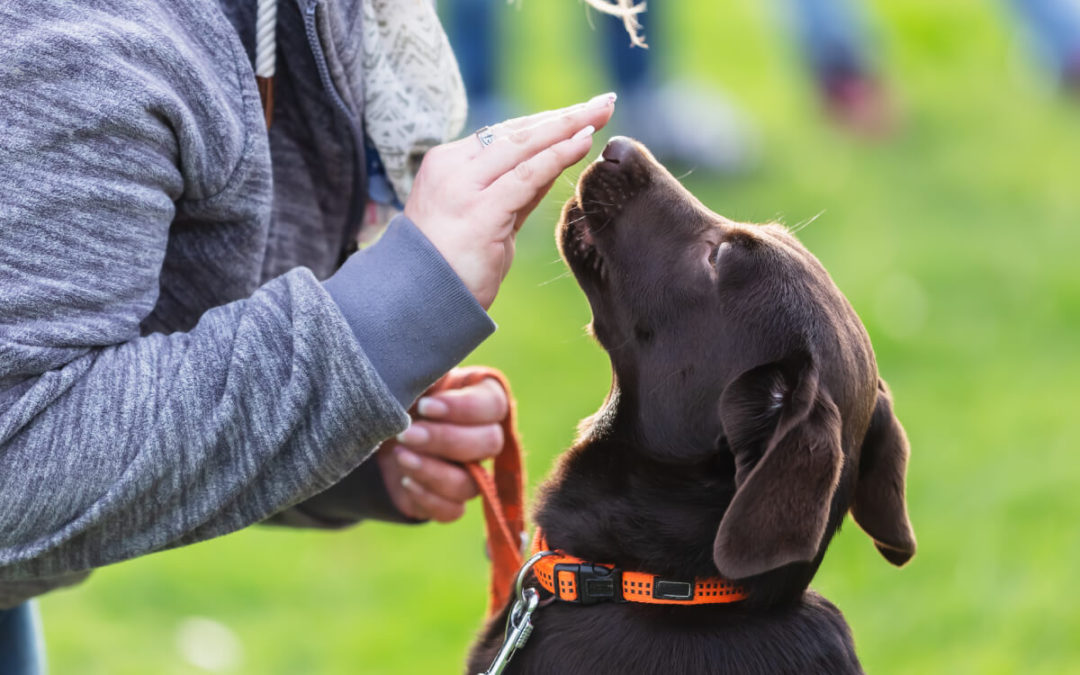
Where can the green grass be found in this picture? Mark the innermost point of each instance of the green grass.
(957, 243)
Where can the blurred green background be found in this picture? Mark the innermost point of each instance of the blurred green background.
(956, 240)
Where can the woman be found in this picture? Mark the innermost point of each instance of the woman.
(180, 355)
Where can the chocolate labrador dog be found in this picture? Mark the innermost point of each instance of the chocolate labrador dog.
(746, 417)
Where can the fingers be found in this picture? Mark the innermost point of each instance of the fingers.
(514, 146)
(422, 470)
(406, 476)
(506, 127)
(425, 504)
(482, 403)
(532, 120)
(429, 487)
(442, 479)
(453, 442)
(532, 177)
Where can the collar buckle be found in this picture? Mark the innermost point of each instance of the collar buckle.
(588, 584)
(670, 589)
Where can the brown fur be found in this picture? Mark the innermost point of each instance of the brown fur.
(746, 417)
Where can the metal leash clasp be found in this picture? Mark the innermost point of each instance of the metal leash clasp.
(519, 624)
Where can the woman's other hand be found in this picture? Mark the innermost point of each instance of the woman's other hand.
(422, 466)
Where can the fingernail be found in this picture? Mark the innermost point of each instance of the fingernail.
(432, 407)
(602, 100)
(587, 131)
(410, 485)
(407, 460)
(414, 435)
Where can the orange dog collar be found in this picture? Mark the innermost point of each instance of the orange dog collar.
(575, 580)
(568, 578)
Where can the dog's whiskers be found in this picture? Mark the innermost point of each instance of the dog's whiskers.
(607, 222)
(554, 279)
(805, 223)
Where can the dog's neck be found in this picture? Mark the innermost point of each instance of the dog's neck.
(611, 502)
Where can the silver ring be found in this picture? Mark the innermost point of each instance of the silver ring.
(485, 135)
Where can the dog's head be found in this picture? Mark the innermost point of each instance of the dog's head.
(731, 342)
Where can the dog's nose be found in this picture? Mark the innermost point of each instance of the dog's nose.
(618, 150)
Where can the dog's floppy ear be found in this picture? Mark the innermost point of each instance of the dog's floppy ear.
(785, 434)
(879, 506)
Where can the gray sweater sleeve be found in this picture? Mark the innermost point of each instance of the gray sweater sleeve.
(401, 276)
(166, 440)
(112, 444)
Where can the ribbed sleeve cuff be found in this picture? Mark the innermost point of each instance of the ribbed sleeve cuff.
(359, 496)
(410, 312)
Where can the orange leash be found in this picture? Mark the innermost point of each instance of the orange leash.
(503, 492)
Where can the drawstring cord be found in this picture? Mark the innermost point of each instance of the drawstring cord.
(266, 54)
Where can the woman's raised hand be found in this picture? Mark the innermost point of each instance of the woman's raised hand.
(470, 199)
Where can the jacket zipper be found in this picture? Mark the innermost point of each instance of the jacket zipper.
(356, 204)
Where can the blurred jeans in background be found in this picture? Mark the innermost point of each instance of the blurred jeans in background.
(1054, 31)
(21, 648)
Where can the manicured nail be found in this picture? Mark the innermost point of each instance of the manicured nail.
(414, 435)
(432, 407)
(410, 485)
(407, 460)
(602, 100)
(587, 131)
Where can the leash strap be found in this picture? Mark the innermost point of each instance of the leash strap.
(502, 491)
(574, 580)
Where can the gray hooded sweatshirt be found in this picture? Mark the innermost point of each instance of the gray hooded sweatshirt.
(179, 355)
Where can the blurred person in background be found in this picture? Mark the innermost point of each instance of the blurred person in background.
(1053, 31)
(683, 122)
(691, 123)
(835, 40)
(188, 344)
